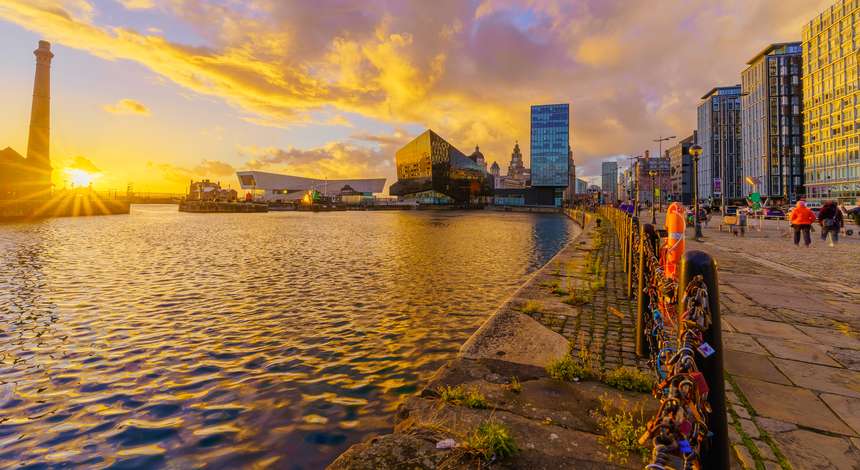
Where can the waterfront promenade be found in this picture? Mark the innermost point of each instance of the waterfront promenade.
(791, 333)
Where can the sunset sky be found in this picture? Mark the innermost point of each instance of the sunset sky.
(156, 92)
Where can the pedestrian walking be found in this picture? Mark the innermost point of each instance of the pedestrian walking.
(742, 221)
(831, 221)
(801, 219)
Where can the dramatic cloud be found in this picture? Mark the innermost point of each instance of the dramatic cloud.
(632, 71)
(137, 4)
(127, 106)
(179, 176)
(333, 160)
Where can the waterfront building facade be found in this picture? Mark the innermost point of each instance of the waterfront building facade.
(609, 180)
(272, 187)
(719, 135)
(831, 104)
(432, 171)
(550, 143)
(653, 190)
(771, 123)
(478, 158)
(681, 170)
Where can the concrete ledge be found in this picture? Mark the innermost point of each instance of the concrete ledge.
(514, 337)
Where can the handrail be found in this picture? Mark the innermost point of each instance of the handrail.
(678, 329)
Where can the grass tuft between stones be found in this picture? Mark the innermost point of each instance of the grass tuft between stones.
(620, 429)
(491, 439)
(629, 378)
(463, 396)
(531, 307)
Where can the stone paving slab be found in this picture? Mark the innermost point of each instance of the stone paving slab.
(752, 365)
(831, 336)
(846, 407)
(814, 451)
(742, 342)
(757, 327)
(826, 379)
(806, 352)
(790, 404)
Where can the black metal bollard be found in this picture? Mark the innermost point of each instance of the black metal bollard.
(716, 455)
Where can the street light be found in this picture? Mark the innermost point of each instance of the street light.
(696, 152)
(652, 174)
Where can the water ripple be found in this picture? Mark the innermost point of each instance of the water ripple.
(175, 340)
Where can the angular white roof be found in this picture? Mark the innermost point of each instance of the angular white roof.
(265, 180)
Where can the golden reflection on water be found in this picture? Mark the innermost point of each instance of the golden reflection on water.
(233, 340)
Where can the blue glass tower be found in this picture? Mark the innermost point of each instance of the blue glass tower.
(549, 145)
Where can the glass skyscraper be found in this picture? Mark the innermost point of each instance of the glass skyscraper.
(831, 104)
(550, 140)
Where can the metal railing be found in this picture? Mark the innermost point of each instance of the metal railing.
(678, 330)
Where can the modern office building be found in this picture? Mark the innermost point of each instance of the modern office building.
(581, 186)
(681, 170)
(771, 123)
(432, 171)
(831, 104)
(719, 134)
(273, 187)
(609, 180)
(550, 144)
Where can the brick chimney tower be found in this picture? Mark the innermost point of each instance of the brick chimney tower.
(39, 143)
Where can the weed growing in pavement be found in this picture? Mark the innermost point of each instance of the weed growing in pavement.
(515, 385)
(463, 396)
(491, 439)
(629, 378)
(531, 307)
(620, 429)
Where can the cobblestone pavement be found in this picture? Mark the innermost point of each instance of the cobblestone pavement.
(605, 325)
(791, 317)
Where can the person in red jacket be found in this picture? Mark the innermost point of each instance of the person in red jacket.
(801, 219)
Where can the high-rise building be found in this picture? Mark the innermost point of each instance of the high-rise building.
(831, 104)
(609, 180)
(432, 171)
(719, 135)
(581, 186)
(771, 127)
(681, 170)
(518, 175)
(550, 141)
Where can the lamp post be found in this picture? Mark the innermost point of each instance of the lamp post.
(652, 174)
(696, 152)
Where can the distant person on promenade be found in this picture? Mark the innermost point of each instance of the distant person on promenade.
(831, 221)
(801, 219)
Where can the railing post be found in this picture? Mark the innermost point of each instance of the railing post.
(643, 302)
(716, 455)
(633, 223)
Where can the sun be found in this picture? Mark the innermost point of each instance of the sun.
(80, 178)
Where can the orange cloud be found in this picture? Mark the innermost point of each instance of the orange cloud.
(127, 106)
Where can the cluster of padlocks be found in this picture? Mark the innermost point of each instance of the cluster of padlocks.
(679, 429)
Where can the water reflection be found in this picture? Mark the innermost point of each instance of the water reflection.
(268, 339)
